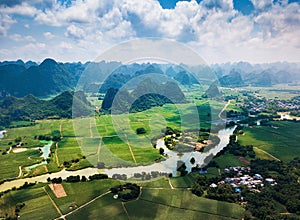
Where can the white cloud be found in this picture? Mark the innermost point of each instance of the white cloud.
(5, 22)
(19, 38)
(29, 38)
(212, 26)
(65, 45)
(16, 37)
(225, 5)
(261, 4)
(48, 35)
(23, 9)
(75, 32)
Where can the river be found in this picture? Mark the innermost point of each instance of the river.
(2, 133)
(169, 165)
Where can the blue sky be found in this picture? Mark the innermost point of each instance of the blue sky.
(220, 31)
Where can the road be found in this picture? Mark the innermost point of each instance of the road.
(223, 109)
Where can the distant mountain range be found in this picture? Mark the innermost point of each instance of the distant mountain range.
(18, 78)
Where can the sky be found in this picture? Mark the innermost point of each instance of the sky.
(256, 31)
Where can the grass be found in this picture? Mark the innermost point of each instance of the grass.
(148, 210)
(153, 204)
(159, 183)
(45, 127)
(168, 203)
(9, 163)
(119, 148)
(281, 140)
(183, 181)
(81, 192)
(103, 208)
(227, 160)
(37, 204)
(67, 128)
(68, 149)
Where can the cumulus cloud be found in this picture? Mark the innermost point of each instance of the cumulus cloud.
(261, 4)
(48, 35)
(220, 4)
(5, 22)
(22, 9)
(75, 32)
(212, 26)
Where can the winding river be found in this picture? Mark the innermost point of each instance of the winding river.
(2, 133)
(169, 165)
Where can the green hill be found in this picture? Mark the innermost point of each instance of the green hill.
(145, 95)
(31, 108)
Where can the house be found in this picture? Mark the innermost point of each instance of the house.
(270, 181)
(258, 176)
(213, 185)
(237, 190)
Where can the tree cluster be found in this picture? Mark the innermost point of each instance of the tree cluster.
(236, 149)
(126, 192)
(281, 198)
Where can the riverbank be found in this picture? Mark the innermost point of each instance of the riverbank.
(167, 166)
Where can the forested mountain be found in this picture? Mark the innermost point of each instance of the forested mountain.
(31, 108)
(45, 79)
(49, 78)
(233, 79)
(147, 94)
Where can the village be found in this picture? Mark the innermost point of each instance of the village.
(239, 176)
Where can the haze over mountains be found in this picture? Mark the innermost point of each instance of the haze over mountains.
(51, 78)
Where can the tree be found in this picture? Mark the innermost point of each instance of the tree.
(161, 151)
(140, 131)
(181, 168)
(83, 179)
(197, 189)
(192, 160)
(100, 165)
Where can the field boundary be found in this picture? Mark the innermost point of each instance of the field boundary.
(54, 204)
(275, 158)
(182, 208)
(82, 206)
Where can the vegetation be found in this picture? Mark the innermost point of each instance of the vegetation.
(274, 202)
(109, 144)
(153, 94)
(278, 138)
(21, 109)
(126, 192)
(140, 131)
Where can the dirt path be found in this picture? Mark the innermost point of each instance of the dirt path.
(223, 109)
(170, 183)
(56, 156)
(10, 149)
(99, 148)
(46, 168)
(133, 157)
(54, 204)
(82, 206)
(268, 154)
(130, 149)
(60, 130)
(125, 210)
(91, 132)
(20, 172)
